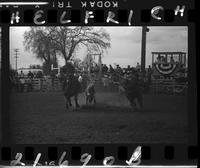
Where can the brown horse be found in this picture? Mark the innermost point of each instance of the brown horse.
(71, 88)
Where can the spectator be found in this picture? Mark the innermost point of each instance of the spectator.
(119, 70)
(105, 81)
(111, 69)
(104, 69)
(172, 60)
(29, 84)
(128, 70)
(92, 69)
(30, 75)
(149, 70)
(22, 83)
(159, 58)
(96, 68)
(163, 59)
(39, 74)
(149, 74)
(138, 67)
(21, 75)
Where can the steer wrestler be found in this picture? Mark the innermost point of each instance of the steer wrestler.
(133, 91)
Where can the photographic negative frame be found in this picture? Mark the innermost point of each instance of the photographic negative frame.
(124, 15)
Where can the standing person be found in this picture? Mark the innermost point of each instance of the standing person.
(128, 70)
(119, 70)
(104, 69)
(29, 84)
(159, 58)
(21, 75)
(111, 69)
(30, 75)
(138, 67)
(17, 81)
(39, 74)
(172, 60)
(96, 69)
(162, 59)
(149, 74)
(22, 83)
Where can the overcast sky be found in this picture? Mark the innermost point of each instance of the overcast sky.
(125, 45)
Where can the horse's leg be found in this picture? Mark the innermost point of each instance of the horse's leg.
(70, 103)
(137, 104)
(140, 100)
(76, 101)
(133, 103)
(86, 99)
(66, 102)
(94, 99)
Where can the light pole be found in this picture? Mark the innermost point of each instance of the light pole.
(16, 56)
(145, 29)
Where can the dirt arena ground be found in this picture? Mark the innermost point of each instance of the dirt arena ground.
(42, 118)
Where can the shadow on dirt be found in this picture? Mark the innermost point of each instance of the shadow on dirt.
(105, 108)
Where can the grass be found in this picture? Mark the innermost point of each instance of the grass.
(42, 118)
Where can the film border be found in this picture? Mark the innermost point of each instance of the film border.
(161, 153)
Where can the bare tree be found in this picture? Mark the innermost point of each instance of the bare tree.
(69, 39)
(38, 41)
(43, 41)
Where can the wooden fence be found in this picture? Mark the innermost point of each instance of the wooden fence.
(156, 87)
(41, 84)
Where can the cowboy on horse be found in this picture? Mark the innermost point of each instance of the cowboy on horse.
(71, 85)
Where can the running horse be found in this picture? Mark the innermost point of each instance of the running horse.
(71, 85)
(71, 88)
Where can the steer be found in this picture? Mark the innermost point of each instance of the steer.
(90, 93)
(132, 88)
(133, 91)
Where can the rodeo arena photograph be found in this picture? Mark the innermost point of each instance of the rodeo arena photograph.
(99, 84)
